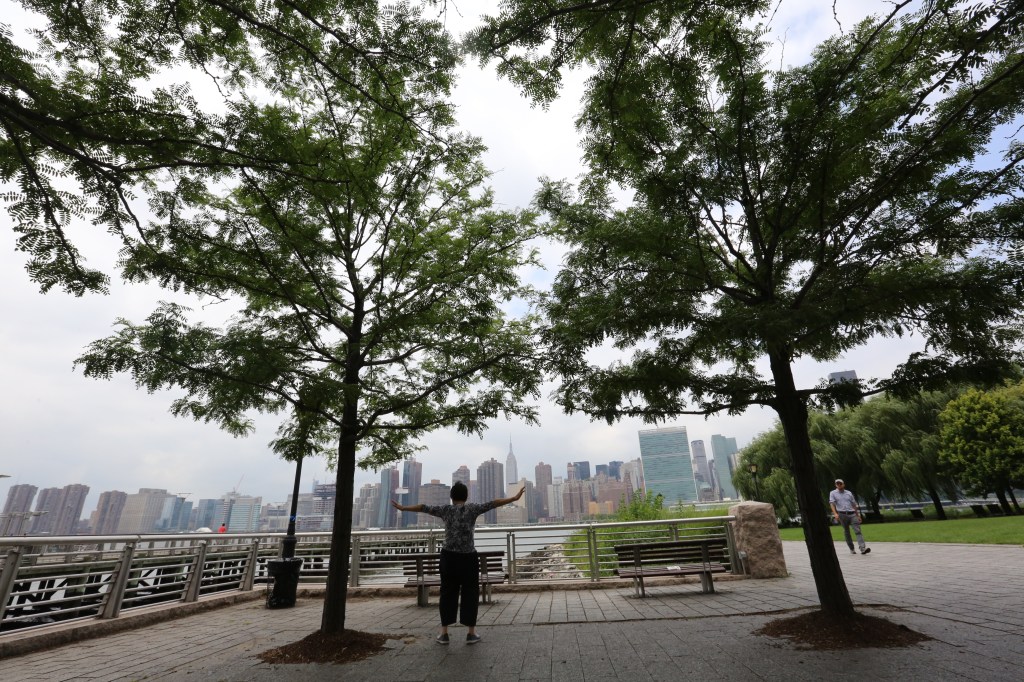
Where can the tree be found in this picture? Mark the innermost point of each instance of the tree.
(982, 440)
(779, 215)
(91, 117)
(648, 507)
(374, 290)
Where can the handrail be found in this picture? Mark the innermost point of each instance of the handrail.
(46, 580)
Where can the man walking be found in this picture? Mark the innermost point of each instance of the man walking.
(847, 512)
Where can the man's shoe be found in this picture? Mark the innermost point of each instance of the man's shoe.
(442, 638)
(853, 551)
(472, 639)
(865, 550)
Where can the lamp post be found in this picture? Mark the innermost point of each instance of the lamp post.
(753, 472)
(285, 571)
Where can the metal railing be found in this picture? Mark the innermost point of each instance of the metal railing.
(82, 577)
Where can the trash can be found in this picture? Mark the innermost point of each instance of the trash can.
(284, 575)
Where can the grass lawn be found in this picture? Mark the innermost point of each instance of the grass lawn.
(1000, 530)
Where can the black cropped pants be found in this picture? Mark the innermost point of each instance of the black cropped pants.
(460, 580)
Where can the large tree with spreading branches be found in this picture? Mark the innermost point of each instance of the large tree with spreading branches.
(777, 214)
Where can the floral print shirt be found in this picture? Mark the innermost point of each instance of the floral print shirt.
(459, 520)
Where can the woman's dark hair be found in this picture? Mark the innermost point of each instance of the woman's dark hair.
(460, 493)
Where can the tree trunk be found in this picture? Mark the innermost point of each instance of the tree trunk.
(875, 506)
(1013, 498)
(828, 576)
(333, 620)
(1003, 502)
(940, 512)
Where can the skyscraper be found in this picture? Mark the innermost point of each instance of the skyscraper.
(412, 479)
(142, 511)
(386, 514)
(668, 470)
(68, 509)
(108, 512)
(702, 472)
(722, 450)
(46, 508)
(542, 476)
(582, 471)
(490, 478)
(615, 469)
(461, 474)
(19, 498)
(511, 470)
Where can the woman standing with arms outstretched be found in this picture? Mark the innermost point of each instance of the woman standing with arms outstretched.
(460, 566)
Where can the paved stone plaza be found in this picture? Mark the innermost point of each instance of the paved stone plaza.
(969, 598)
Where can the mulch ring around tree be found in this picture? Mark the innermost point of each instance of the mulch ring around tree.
(816, 630)
(343, 647)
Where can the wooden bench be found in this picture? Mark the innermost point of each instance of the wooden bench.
(422, 570)
(701, 557)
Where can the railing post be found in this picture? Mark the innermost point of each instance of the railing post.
(11, 564)
(195, 579)
(249, 577)
(675, 532)
(595, 568)
(119, 582)
(353, 574)
(730, 546)
(510, 552)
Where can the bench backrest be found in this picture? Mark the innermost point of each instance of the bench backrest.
(673, 552)
(429, 563)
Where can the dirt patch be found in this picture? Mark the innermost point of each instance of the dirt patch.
(816, 630)
(343, 647)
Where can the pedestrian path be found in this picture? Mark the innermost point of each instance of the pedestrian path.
(968, 598)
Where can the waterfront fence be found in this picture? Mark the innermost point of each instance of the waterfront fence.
(50, 580)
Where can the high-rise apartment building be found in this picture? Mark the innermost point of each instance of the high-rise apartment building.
(575, 500)
(364, 509)
(668, 470)
(324, 495)
(633, 477)
(702, 473)
(722, 450)
(242, 512)
(46, 506)
(142, 511)
(19, 498)
(461, 474)
(433, 493)
(490, 478)
(511, 470)
(542, 478)
(555, 510)
(67, 510)
(108, 512)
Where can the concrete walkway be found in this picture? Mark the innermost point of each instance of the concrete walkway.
(969, 598)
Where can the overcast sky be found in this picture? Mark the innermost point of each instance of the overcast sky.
(58, 427)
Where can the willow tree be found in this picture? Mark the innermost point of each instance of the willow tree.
(376, 293)
(776, 215)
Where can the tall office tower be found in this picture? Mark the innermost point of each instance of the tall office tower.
(244, 513)
(511, 470)
(68, 509)
(174, 515)
(491, 480)
(527, 501)
(555, 508)
(615, 470)
(542, 476)
(582, 471)
(571, 472)
(19, 498)
(575, 500)
(142, 510)
(846, 375)
(601, 470)
(668, 470)
(461, 474)
(46, 511)
(324, 495)
(412, 479)
(474, 490)
(633, 477)
(722, 449)
(108, 512)
(387, 515)
(702, 472)
(206, 512)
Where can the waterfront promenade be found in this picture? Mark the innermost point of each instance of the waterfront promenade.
(968, 598)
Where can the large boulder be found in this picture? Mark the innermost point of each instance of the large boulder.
(757, 537)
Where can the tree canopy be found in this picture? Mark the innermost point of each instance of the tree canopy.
(784, 214)
(375, 292)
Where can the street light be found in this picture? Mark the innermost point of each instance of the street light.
(753, 472)
(285, 571)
